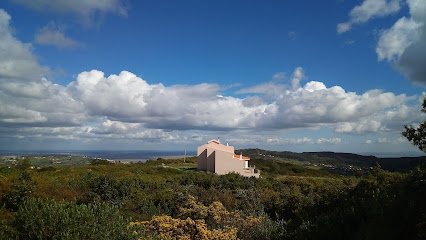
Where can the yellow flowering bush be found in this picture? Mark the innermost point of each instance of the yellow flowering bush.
(194, 222)
(217, 216)
(166, 227)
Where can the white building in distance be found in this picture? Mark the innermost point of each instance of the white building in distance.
(221, 159)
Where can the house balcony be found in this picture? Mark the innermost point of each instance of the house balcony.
(251, 171)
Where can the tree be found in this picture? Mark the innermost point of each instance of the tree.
(24, 164)
(417, 136)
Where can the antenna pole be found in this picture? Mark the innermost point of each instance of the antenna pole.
(184, 157)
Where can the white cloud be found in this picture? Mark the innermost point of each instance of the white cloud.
(400, 140)
(367, 10)
(289, 141)
(117, 129)
(343, 27)
(54, 35)
(368, 141)
(304, 140)
(85, 11)
(394, 41)
(278, 76)
(298, 75)
(26, 98)
(384, 140)
(329, 141)
(273, 88)
(268, 88)
(128, 98)
(405, 43)
(16, 58)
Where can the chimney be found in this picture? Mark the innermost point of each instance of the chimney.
(218, 140)
(241, 155)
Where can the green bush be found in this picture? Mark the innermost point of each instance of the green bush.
(21, 189)
(47, 219)
(105, 188)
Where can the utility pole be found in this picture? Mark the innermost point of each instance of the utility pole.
(184, 156)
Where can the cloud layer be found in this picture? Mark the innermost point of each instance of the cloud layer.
(404, 43)
(367, 10)
(54, 35)
(85, 11)
(125, 106)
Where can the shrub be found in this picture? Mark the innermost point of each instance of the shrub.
(105, 188)
(21, 189)
(47, 219)
(166, 227)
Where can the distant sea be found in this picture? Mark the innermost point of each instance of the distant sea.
(125, 156)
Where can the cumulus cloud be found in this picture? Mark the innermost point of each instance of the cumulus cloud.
(278, 76)
(25, 96)
(289, 141)
(85, 11)
(367, 10)
(127, 106)
(297, 76)
(276, 87)
(16, 58)
(271, 88)
(404, 43)
(128, 98)
(395, 40)
(385, 140)
(117, 129)
(304, 140)
(54, 35)
(329, 140)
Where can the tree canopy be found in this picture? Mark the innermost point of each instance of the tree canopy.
(417, 136)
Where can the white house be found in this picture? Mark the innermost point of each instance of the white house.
(221, 159)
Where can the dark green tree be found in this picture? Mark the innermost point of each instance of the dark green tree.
(417, 136)
(24, 164)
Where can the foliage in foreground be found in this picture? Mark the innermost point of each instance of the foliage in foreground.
(38, 218)
(195, 221)
(375, 206)
(166, 227)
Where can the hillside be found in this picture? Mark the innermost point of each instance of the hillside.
(345, 163)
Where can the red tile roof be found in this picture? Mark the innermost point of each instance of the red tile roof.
(243, 158)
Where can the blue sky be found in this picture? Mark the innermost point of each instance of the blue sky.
(281, 75)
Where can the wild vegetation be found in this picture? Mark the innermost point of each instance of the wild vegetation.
(169, 199)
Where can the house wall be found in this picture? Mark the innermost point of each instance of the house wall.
(202, 158)
(211, 159)
(221, 147)
(225, 163)
(206, 155)
(218, 158)
(246, 165)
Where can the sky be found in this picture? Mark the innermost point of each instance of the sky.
(333, 75)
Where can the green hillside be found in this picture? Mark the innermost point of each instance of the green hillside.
(342, 163)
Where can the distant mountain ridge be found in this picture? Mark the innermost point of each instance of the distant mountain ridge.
(333, 160)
